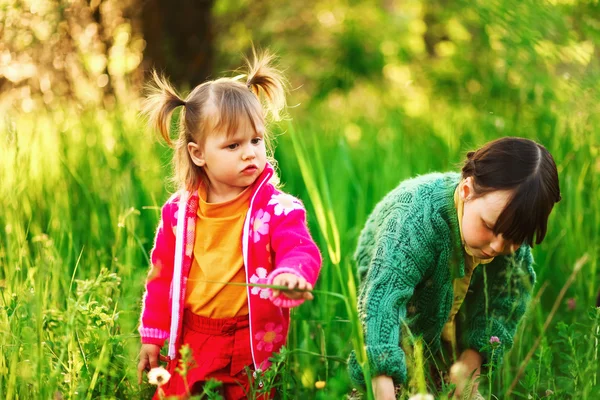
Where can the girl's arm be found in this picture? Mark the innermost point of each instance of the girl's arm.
(399, 260)
(295, 252)
(510, 282)
(156, 317)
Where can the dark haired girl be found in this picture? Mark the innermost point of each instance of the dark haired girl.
(449, 257)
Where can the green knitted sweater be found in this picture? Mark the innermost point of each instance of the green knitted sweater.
(408, 254)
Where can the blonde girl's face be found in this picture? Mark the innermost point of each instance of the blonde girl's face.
(231, 162)
(480, 215)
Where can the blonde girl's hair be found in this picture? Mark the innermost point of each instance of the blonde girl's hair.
(216, 106)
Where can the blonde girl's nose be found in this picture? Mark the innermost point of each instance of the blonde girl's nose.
(248, 153)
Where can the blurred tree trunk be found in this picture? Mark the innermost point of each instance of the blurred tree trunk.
(179, 39)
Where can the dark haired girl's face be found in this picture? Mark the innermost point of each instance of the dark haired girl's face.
(480, 214)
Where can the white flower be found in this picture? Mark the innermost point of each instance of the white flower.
(158, 376)
(284, 203)
(421, 397)
(261, 278)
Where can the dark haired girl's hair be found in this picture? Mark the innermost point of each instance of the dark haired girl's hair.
(526, 168)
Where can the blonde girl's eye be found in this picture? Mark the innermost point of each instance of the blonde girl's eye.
(256, 140)
(486, 225)
(232, 146)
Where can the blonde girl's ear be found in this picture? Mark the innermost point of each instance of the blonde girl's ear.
(196, 154)
(465, 189)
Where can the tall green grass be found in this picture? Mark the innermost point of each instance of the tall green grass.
(80, 194)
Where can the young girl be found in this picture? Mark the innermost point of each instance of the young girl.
(449, 256)
(227, 226)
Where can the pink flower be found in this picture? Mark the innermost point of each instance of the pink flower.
(495, 341)
(571, 304)
(260, 224)
(271, 334)
(261, 278)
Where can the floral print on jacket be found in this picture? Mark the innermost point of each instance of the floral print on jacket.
(275, 240)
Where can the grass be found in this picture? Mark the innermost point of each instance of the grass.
(80, 194)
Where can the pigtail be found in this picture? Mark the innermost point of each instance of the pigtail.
(468, 168)
(159, 105)
(264, 77)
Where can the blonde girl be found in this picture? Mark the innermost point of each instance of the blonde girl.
(227, 223)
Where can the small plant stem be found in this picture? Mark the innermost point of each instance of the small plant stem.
(578, 265)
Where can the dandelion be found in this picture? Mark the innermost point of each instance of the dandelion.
(421, 397)
(320, 384)
(158, 376)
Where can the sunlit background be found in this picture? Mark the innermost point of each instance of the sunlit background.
(380, 91)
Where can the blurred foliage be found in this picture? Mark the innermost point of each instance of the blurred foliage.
(356, 58)
(56, 51)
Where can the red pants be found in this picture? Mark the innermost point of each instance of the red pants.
(221, 350)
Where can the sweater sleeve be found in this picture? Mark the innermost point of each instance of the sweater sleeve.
(156, 317)
(399, 260)
(510, 282)
(294, 251)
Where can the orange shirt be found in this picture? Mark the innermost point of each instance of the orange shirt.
(218, 257)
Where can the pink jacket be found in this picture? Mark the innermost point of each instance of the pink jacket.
(275, 240)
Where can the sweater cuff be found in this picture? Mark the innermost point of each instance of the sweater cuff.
(355, 372)
(383, 360)
(387, 360)
(153, 336)
(159, 342)
(282, 300)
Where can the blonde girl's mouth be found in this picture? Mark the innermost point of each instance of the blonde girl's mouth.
(250, 169)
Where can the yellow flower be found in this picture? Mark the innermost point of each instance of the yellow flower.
(158, 376)
(320, 384)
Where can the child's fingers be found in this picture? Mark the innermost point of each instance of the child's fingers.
(153, 358)
(164, 359)
(291, 283)
(308, 296)
(296, 287)
(141, 367)
(301, 284)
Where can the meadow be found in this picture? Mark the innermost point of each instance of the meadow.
(80, 195)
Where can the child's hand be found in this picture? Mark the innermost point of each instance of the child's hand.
(298, 287)
(383, 388)
(465, 374)
(149, 356)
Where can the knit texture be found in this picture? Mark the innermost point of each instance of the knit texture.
(407, 256)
